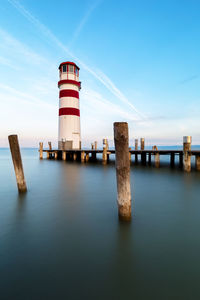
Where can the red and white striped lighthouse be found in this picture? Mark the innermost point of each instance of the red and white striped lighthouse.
(69, 112)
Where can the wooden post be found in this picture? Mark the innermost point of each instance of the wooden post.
(143, 155)
(181, 160)
(144, 158)
(95, 145)
(56, 155)
(142, 143)
(17, 162)
(197, 162)
(172, 160)
(136, 148)
(82, 156)
(105, 148)
(149, 162)
(48, 155)
(74, 156)
(122, 170)
(41, 150)
(130, 153)
(186, 156)
(157, 160)
(50, 147)
(64, 155)
(87, 157)
(92, 146)
(136, 144)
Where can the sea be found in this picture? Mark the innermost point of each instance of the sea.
(63, 240)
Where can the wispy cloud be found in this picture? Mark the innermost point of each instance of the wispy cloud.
(6, 62)
(8, 41)
(190, 78)
(100, 76)
(83, 22)
(25, 97)
(94, 99)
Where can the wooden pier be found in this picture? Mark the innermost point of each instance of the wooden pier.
(146, 157)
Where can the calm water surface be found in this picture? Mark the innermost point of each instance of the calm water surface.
(63, 240)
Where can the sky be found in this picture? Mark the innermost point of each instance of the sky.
(139, 62)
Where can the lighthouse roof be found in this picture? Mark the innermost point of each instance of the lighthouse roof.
(69, 63)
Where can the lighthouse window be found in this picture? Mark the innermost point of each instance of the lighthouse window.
(64, 68)
(71, 69)
(76, 72)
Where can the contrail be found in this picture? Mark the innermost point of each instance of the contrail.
(100, 77)
(83, 21)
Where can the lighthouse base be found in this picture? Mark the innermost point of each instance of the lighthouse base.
(69, 145)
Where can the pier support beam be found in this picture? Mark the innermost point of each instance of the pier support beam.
(143, 159)
(83, 156)
(56, 155)
(186, 156)
(95, 145)
(149, 161)
(143, 155)
(75, 156)
(197, 162)
(87, 157)
(105, 148)
(136, 148)
(130, 154)
(157, 160)
(41, 150)
(48, 155)
(172, 159)
(64, 155)
(122, 170)
(17, 162)
(181, 160)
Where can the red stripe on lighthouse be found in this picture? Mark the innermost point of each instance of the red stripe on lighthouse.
(66, 111)
(69, 81)
(69, 93)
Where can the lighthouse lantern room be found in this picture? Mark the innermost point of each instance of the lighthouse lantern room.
(69, 111)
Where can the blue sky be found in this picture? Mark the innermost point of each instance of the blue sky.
(139, 62)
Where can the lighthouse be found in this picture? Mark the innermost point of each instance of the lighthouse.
(69, 136)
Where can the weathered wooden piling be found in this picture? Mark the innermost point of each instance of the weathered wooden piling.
(95, 145)
(41, 150)
(17, 162)
(172, 159)
(143, 155)
(130, 153)
(87, 157)
(82, 156)
(48, 155)
(64, 155)
(181, 160)
(157, 160)
(197, 162)
(56, 155)
(186, 156)
(105, 148)
(149, 161)
(92, 146)
(75, 156)
(122, 170)
(136, 148)
(142, 143)
(50, 146)
(136, 144)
